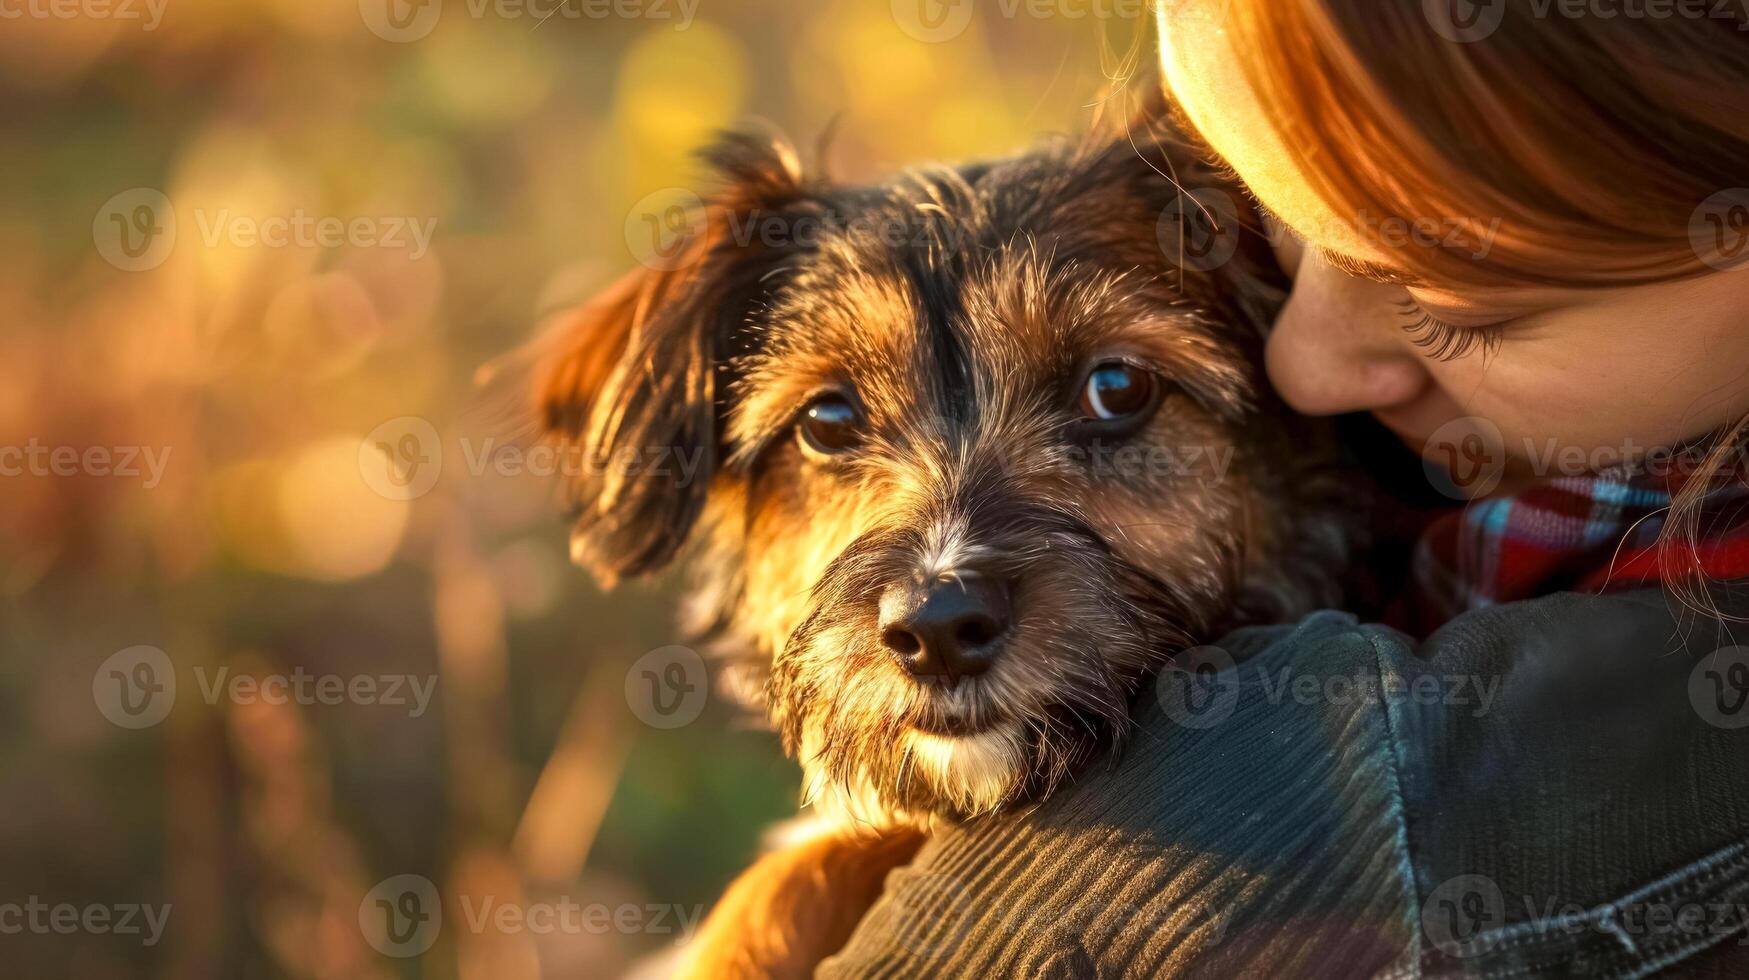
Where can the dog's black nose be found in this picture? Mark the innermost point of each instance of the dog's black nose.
(949, 628)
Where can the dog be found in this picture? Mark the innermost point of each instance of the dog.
(983, 448)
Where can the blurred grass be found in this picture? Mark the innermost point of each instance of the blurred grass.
(260, 370)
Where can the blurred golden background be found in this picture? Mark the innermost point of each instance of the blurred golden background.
(291, 643)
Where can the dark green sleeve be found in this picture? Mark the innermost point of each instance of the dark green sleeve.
(1546, 788)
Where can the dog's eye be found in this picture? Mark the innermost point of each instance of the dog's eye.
(1116, 392)
(830, 425)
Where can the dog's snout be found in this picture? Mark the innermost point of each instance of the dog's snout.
(951, 627)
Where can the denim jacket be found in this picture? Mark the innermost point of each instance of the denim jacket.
(1558, 787)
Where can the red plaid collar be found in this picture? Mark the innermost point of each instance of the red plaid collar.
(1594, 533)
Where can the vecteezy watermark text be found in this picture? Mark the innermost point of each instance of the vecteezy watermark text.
(405, 21)
(403, 458)
(936, 21)
(1470, 914)
(1467, 458)
(1200, 688)
(148, 13)
(402, 916)
(1200, 231)
(137, 687)
(300, 229)
(35, 916)
(409, 691)
(35, 459)
(1468, 21)
(567, 917)
(137, 230)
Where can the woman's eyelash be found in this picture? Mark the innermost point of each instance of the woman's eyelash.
(1442, 341)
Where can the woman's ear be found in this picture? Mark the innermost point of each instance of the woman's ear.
(631, 388)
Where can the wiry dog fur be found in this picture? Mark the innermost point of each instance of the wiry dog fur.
(958, 308)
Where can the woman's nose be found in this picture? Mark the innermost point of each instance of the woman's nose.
(1338, 345)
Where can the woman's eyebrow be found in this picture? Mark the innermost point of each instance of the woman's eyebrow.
(1344, 263)
(1369, 270)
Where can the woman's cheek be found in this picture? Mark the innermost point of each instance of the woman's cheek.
(1545, 422)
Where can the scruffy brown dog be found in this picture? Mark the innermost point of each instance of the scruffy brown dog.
(983, 452)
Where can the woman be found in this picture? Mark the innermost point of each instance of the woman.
(1515, 234)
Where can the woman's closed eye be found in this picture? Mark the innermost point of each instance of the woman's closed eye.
(1444, 341)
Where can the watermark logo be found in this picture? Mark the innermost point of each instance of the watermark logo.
(135, 231)
(1465, 458)
(932, 21)
(1460, 916)
(402, 916)
(401, 21)
(1719, 230)
(661, 227)
(667, 687)
(1468, 915)
(1718, 687)
(1199, 688)
(1199, 231)
(402, 458)
(136, 687)
(1464, 21)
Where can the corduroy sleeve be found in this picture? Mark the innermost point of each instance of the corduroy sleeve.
(1555, 787)
(1245, 828)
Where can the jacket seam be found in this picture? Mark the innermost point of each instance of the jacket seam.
(1524, 941)
(1400, 813)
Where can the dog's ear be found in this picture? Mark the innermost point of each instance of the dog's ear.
(634, 383)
